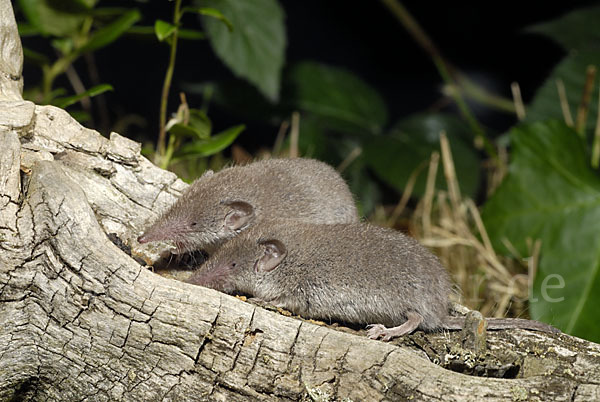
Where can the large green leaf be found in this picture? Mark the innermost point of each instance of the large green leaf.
(409, 145)
(255, 50)
(572, 72)
(575, 30)
(553, 195)
(347, 102)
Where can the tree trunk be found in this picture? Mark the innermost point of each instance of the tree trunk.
(80, 318)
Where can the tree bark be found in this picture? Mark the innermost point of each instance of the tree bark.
(80, 318)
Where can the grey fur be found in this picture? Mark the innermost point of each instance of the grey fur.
(355, 273)
(213, 207)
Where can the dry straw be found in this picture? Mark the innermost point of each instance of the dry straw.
(451, 225)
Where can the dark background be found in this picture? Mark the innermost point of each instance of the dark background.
(484, 39)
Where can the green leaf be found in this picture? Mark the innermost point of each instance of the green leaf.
(199, 126)
(69, 100)
(163, 29)
(210, 12)
(110, 32)
(191, 34)
(572, 72)
(553, 195)
(181, 130)
(395, 156)
(216, 143)
(575, 30)
(344, 100)
(54, 18)
(201, 123)
(255, 49)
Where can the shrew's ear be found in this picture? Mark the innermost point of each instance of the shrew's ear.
(238, 214)
(274, 253)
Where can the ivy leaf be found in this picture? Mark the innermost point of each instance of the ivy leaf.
(575, 30)
(572, 72)
(579, 34)
(552, 194)
(254, 51)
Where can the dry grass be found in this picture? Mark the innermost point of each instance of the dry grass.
(450, 224)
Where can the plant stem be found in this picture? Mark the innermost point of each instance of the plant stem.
(46, 83)
(162, 133)
(294, 134)
(518, 101)
(481, 95)
(447, 72)
(564, 103)
(586, 97)
(51, 72)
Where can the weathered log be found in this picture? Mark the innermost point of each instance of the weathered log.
(81, 319)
